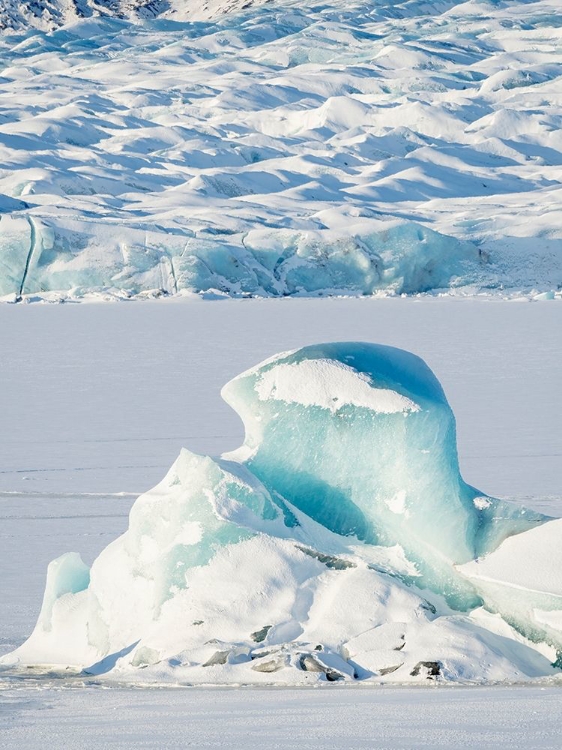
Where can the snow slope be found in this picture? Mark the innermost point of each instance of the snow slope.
(285, 149)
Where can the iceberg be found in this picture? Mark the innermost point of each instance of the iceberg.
(338, 543)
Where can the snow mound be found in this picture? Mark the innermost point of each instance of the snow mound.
(280, 148)
(339, 543)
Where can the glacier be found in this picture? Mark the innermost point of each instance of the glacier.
(280, 149)
(339, 543)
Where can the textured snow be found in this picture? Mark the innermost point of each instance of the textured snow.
(291, 568)
(285, 149)
(330, 385)
(49, 14)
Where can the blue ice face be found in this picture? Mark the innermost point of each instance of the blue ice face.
(349, 464)
(360, 437)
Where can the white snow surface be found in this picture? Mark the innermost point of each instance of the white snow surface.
(516, 561)
(330, 385)
(394, 719)
(287, 148)
(521, 578)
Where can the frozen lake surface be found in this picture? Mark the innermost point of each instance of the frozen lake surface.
(514, 718)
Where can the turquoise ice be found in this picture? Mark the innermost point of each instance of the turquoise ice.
(361, 438)
(339, 540)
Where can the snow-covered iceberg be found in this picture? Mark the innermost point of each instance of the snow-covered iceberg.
(338, 543)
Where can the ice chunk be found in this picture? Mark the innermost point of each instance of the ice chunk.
(340, 543)
(522, 580)
(68, 574)
(361, 438)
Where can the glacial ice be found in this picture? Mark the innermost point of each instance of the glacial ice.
(38, 255)
(338, 543)
(287, 148)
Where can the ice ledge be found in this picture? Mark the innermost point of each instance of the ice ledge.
(47, 255)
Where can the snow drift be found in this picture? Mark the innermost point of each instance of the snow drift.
(339, 543)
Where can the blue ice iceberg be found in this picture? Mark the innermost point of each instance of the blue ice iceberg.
(338, 543)
(361, 439)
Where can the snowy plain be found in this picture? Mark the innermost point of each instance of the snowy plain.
(99, 399)
(386, 719)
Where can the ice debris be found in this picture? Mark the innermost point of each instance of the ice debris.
(338, 543)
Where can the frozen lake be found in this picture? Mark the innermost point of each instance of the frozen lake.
(514, 718)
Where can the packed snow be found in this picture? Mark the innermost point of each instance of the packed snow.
(282, 149)
(329, 384)
(247, 569)
(399, 719)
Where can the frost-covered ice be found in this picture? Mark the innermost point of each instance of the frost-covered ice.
(289, 148)
(340, 543)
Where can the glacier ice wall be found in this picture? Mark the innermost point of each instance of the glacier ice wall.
(397, 256)
(289, 148)
(338, 543)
